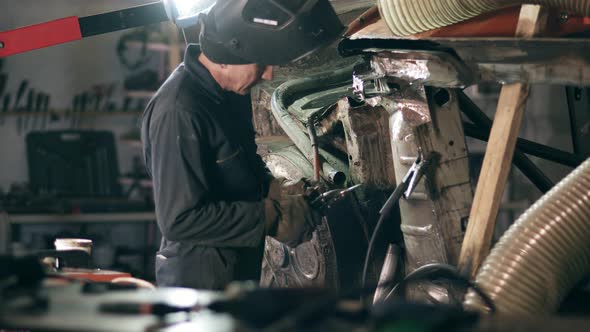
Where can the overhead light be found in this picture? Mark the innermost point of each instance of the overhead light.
(185, 13)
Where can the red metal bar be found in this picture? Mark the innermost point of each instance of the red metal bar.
(39, 36)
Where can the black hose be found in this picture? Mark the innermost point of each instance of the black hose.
(427, 272)
(385, 213)
(442, 271)
(479, 118)
(483, 127)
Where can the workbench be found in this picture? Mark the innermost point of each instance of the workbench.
(70, 309)
(8, 221)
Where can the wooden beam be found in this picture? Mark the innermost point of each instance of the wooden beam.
(498, 157)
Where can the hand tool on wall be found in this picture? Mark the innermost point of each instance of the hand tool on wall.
(29, 109)
(5, 107)
(19, 95)
(90, 100)
(46, 112)
(126, 104)
(70, 114)
(107, 106)
(99, 91)
(82, 108)
(3, 81)
(37, 110)
(141, 104)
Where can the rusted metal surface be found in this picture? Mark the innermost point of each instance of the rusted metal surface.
(264, 123)
(377, 88)
(283, 158)
(433, 68)
(497, 59)
(368, 145)
(433, 215)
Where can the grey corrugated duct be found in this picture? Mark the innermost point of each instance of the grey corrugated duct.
(333, 168)
(408, 17)
(543, 255)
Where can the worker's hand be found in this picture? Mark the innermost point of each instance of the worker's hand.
(274, 189)
(296, 222)
(280, 187)
(272, 214)
(289, 217)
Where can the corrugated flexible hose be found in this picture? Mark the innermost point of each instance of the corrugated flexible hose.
(543, 255)
(408, 17)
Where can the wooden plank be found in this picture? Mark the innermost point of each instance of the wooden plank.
(498, 157)
(532, 21)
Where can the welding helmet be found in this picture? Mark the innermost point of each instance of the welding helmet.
(267, 32)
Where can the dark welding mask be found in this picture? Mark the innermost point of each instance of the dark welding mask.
(266, 32)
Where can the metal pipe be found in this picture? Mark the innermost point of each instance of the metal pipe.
(316, 149)
(543, 255)
(522, 162)
(408, 17)
(482, 131)
(333, 168)
(477, 116)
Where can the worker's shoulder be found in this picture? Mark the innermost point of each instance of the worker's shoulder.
(179, 94)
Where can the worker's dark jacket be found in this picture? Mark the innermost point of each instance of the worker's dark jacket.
(209, 182)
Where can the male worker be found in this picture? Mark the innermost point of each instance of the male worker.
(215, 200)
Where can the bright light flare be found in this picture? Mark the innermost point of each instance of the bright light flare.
(192, 8)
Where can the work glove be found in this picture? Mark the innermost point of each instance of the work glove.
(282, 187)
(272, 214)
(297, 221)
(289, 217)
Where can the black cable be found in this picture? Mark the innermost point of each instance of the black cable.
(318, 309)
(442, 271)
(385, 213)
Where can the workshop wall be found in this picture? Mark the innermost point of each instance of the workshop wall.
(62, 72)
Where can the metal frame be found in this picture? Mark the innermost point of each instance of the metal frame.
(454, 63)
